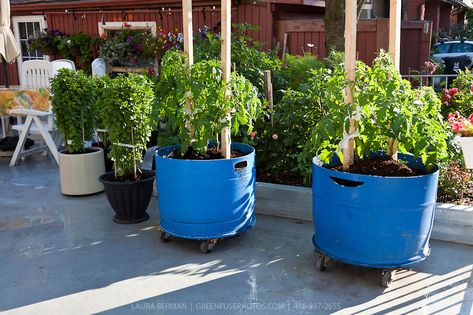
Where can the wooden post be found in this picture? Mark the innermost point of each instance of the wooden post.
(226, 67)
(189, 51)
(395, 30)
(284, 48)
(395, 51)
(187, 31)
(350, 64)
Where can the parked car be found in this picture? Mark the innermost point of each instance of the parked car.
(453, 49)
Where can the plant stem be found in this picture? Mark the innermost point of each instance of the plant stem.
(133, 153)
(349, 153)
(392, 148)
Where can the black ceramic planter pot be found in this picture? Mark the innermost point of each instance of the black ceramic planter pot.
(129, 199)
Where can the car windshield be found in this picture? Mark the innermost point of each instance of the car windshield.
(441, 49)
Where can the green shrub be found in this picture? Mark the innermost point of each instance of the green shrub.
(247, 55)
(454, 182)
(297, 69)
(126, 103)
(460, 96)
(73, 101)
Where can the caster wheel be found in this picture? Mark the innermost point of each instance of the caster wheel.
(206, 247)
(387, 278)
(165, 237)
(322, 262)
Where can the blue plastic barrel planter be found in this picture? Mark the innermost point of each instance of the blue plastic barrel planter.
(373, 221)
(206, 199)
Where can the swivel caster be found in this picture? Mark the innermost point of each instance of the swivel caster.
(387, 278)
(165, 237)
(322, 262)
(207, 246)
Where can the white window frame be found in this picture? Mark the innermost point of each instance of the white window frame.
(16, 31)
(103, 27)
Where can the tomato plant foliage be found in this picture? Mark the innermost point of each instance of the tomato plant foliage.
(209, 100)
(385, 106)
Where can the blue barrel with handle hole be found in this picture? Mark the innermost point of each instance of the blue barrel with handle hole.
(373, 221)
(206, 199)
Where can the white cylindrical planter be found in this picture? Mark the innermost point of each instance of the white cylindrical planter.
(80, 173)
(466, 144)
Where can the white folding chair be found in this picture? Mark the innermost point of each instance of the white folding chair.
(98, 68)
(61, 63)
(35, 74)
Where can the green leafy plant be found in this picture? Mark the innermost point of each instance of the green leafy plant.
(247, 55)
(126, 103)
(280, 144)
(454, 182)
(208, 105)
(47, 41)
(385, 107)
(297, 69)
(137, 48)
(73, 102)
(79, 47)
(460, 96)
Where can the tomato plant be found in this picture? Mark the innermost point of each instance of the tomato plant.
(201, 120)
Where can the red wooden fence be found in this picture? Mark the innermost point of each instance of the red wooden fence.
(372, 36)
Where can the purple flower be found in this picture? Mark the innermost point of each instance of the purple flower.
(129, 39)
(138, 47)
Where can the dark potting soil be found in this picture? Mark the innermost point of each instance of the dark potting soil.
(284, 178)
(124, 179)
(212, 154)
(87, 150)
(381, 166)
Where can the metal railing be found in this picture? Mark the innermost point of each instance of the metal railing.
(438, 81)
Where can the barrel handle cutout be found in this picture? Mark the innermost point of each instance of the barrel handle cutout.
(241, 165)
(346, 182)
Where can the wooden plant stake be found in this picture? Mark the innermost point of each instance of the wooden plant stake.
(394, 50)
(350, 64)
(226, 69)
(188, 50)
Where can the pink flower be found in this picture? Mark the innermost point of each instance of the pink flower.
(453, 91)
(275, 136)
(253, 134)
(471, 88)
(458, 126)
(446, 98)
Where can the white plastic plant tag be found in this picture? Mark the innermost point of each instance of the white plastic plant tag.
(87, 144)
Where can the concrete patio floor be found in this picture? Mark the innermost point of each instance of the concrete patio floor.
(64, 255)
